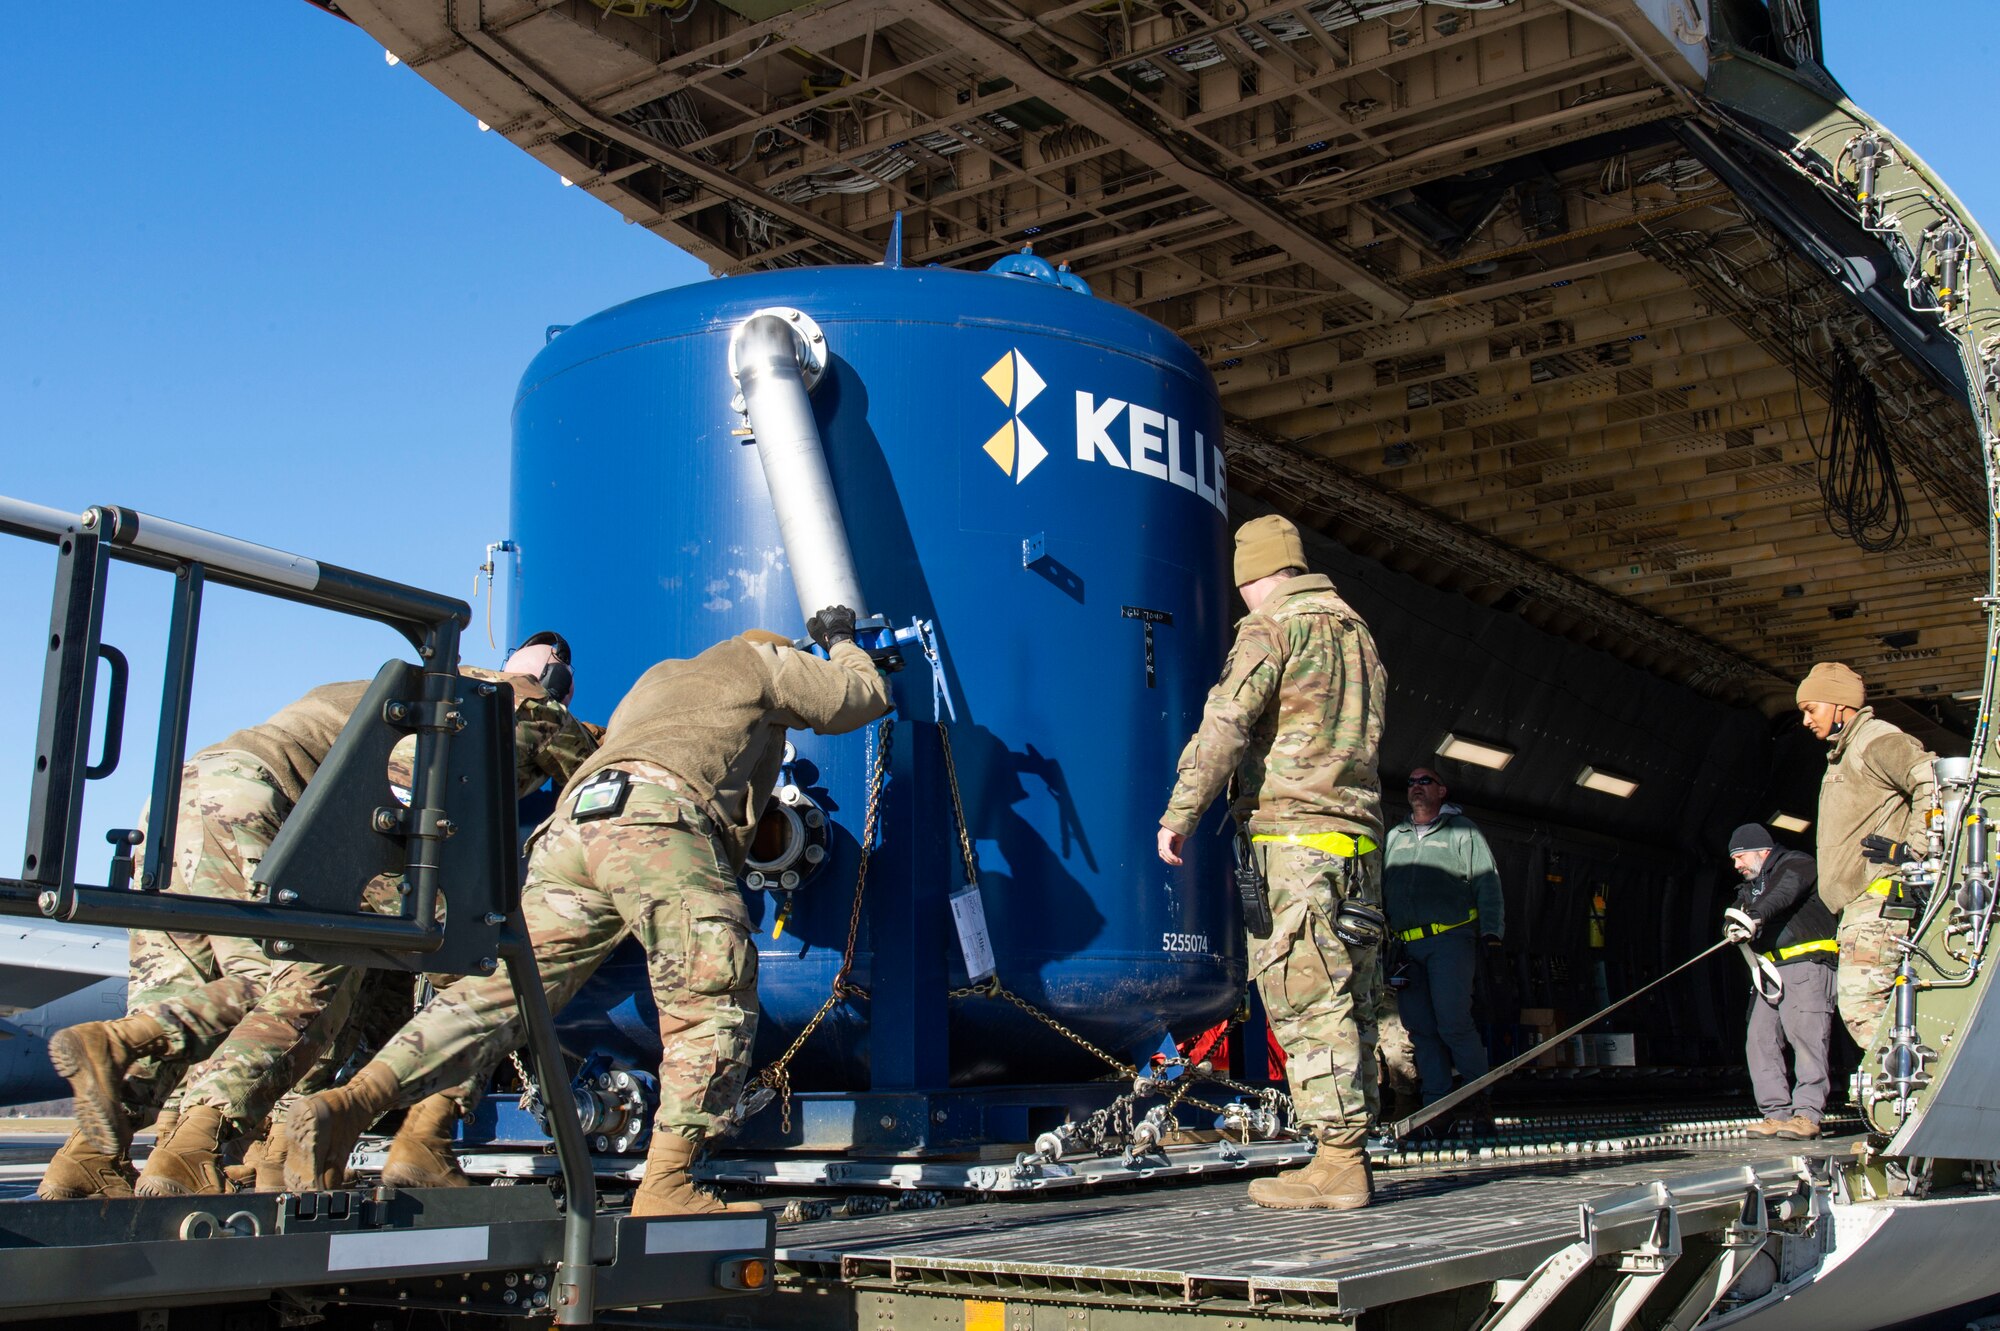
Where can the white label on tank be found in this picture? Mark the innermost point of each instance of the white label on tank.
(968, 912)
(407, 1247)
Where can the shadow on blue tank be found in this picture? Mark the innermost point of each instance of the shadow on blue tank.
(1135, 1001)
(1037, 471)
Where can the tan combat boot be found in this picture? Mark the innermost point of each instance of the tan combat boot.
(1797, 1128)
(189, 1163)
(80, 1170)
(269, 1174)
(93, 1058)
(323, 1128)
(420, 1154)
(1336, 1180)
(244, 1175)
(668, 1190)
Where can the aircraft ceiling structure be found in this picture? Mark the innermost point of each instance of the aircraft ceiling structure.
(1499, 292)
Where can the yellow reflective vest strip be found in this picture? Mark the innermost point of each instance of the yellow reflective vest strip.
(1433, 930)
(1800, 949)
(1327, 843)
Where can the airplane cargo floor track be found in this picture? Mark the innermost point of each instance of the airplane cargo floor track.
(1433, 1246)
(1439, 1237)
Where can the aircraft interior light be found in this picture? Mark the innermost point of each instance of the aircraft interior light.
(1479, 752)
(1590, 778)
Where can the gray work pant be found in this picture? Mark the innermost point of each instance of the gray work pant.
(1803, 1019)
(1437, 1009)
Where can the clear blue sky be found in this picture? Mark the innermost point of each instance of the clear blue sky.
(256, 279)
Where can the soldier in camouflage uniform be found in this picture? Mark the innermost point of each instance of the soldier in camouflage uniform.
(248, 1035)
(647, 839)
(161, 966)
(1297, 721)
(1878, 786)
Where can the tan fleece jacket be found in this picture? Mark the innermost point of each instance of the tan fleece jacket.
(1878, 783)
(718, 722)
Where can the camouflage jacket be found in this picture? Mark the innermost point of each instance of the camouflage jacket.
(291, 745)
(1878, 783)
(1297, 718)
(717, 722)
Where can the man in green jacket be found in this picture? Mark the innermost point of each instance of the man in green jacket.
(1443, 895)
(1297, 721)
(1878, 784)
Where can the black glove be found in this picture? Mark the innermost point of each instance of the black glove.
(1881, 850)
(831, 625)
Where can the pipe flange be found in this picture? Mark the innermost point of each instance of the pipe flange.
(809, 339)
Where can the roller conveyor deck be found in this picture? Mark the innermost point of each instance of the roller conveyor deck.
(1434, 1228)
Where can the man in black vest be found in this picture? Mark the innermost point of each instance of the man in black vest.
(1779, 906)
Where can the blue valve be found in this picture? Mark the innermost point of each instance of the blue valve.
(886, 647)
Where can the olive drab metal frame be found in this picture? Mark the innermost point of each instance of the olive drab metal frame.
(455, 841)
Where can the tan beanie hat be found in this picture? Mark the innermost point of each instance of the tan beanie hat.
(1265, 545)
(1830, 681)
(765, 635)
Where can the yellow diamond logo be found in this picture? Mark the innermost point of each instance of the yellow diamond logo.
(1013, 448)
(1001, 447)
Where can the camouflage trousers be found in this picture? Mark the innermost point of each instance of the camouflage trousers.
(176, 966)
(1321, 995)
(651, 871)
(247, 1032)
(1395, 1052)
(1868, 960)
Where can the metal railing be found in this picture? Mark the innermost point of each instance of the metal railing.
(329, 922)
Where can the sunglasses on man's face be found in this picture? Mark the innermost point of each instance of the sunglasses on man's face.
(1423, 780)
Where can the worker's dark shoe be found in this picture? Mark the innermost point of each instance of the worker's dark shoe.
(1336, 1180)
(1767, 1127)
(420, 1154)
(323, 1128)
(1798, 1128)
(269, 1165)
(80, 1170)
(667, 1188)
(93, 1058)
(189, 1163)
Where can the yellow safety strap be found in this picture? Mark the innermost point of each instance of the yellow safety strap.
(1327, 843)
(1800, 949)
(1433, 930)
(1881, 887)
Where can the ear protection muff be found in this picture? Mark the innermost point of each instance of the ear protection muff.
(557, 679)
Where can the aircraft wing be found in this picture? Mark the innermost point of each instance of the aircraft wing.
(42, 962)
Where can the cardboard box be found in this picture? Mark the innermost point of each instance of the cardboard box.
(1539, 1016)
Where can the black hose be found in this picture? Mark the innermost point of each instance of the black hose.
(1857, 473)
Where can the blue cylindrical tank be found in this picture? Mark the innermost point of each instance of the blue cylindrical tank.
(1039, 472)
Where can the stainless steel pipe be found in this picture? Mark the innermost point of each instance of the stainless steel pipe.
(769, 358)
